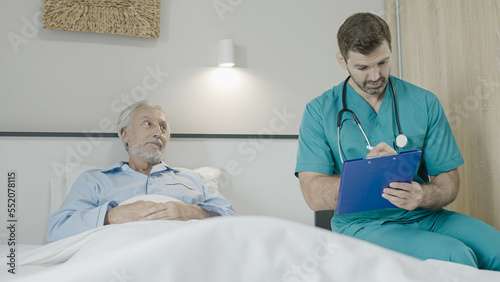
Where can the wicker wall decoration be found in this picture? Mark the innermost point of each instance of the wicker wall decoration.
(138, 18)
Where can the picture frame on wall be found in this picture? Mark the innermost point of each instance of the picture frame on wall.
(137, 18)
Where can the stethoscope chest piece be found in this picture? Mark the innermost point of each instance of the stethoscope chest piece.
(401, 141)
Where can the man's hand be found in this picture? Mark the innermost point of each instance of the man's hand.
(127, 213)
(382, 149)
(176, 211)
(147, 210)
(407, 196)
(404, 195)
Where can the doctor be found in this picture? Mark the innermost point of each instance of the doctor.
(396, 116)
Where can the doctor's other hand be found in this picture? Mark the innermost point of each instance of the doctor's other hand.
(382, 149)
(404, 195)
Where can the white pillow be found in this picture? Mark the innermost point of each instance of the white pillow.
(72, 173)
(210, 177)
(60, 186)
(57, 193)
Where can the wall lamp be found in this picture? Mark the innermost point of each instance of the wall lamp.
(226, 53)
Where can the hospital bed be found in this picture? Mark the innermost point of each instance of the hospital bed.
(242, 248)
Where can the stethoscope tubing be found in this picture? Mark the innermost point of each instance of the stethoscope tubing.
(346, 110)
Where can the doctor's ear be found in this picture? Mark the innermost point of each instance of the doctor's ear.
(341, 60)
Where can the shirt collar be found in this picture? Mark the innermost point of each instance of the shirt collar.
(125, 165)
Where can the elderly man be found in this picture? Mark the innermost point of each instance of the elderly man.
(95, 196)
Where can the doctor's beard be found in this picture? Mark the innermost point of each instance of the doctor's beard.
(372, 91)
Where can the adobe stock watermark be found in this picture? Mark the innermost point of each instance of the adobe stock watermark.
(223, 6)
(150, 82)
(251, 147)
(75, 155)
(486, 87)
(303, 271)
(405, 170)
(29, 30)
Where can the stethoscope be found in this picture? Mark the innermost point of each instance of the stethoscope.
(401, 139)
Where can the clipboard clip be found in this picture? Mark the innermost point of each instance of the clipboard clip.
(379, 156)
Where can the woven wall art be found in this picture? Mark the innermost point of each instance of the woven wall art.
(138, 18)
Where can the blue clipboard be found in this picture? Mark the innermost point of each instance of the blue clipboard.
(363, 180)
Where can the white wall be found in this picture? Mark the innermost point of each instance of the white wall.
(260, 173)
(72, 81)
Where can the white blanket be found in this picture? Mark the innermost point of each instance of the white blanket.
(229, 249)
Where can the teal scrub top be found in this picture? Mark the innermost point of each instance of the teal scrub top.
(421, 117)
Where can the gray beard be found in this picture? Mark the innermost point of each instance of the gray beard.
(152, 156)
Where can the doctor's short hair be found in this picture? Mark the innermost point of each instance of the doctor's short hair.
(127, 115)
(362, 33)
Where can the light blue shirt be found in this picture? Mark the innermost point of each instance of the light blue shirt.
(96, 191)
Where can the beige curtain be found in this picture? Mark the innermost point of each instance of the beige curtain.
(452, 48)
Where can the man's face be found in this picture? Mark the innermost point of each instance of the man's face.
(147, 135)
(370, 73)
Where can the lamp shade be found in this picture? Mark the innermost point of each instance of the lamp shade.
(226, 53)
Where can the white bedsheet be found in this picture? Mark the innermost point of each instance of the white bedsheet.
(228, 249)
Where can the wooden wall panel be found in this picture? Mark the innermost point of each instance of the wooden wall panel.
(452, 48)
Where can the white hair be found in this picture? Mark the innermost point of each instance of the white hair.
(127, 115)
